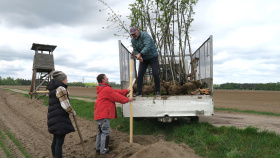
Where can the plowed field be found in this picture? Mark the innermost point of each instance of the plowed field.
(26, 120)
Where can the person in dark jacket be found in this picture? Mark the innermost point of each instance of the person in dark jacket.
(59, 123)
(146, 52)
(105, 109)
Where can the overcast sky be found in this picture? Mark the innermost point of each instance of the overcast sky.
(246, 38)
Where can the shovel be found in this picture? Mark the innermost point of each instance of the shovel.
(81, 138)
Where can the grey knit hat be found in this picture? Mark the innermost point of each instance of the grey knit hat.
(59, 75)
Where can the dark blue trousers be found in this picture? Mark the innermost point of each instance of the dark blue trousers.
(142, 69)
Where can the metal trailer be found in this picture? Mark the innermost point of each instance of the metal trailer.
(166, 107)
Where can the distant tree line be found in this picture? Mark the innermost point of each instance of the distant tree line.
(240, 86)
(114, 84)
(12, 81)
(249, 86)
(77, 84)
(23, 82)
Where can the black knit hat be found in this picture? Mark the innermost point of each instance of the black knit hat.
(59, 75)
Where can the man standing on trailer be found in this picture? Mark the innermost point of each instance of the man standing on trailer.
(146, 52)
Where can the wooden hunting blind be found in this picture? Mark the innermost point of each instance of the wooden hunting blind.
(43, 65)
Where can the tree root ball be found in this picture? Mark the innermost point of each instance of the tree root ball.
(175, 90)
(147, 89)
(162, 90)
(134, 87)
(153, 85)
(197, 84)
(166, 85)
(188, 87)
(204, 85)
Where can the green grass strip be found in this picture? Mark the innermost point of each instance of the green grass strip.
(21, 89)
(26, 95)
(8, 154)
(17, 144)
(45, 98)
(83, 108)
(248, 111)
(84, 97)
(8, 89)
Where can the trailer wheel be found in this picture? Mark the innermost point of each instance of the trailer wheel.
(194, 118)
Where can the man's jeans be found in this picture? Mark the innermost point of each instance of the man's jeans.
(102, 138)
(142, 69)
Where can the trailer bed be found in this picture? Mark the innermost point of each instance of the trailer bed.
(170, 106)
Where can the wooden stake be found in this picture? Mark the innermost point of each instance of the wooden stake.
(131, 108)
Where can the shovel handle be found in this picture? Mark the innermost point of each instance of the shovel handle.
(81, 138)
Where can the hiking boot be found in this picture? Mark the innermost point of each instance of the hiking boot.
(158, 94)
(106, 151)
(106, 154)
(138, 94)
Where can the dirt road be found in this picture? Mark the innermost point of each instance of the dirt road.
(27, 120)
(240, 120)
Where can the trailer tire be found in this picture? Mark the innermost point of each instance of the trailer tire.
(194, 118)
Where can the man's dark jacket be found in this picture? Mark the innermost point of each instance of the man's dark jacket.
(145, 45)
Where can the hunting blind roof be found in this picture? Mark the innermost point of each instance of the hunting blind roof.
(43, 47)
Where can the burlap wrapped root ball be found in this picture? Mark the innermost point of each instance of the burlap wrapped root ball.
(188, 87)
(175, 90)
(134, 87)
(153, 85)
(148, 89)
(197, 84)
(163, 90)
(166, 85)
(203, 85)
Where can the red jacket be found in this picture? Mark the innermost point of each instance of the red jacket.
(105, 106)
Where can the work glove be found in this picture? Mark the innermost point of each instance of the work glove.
(132, 54)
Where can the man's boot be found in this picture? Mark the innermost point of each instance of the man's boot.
(107, 142)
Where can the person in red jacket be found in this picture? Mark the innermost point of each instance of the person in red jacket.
(105, 109)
